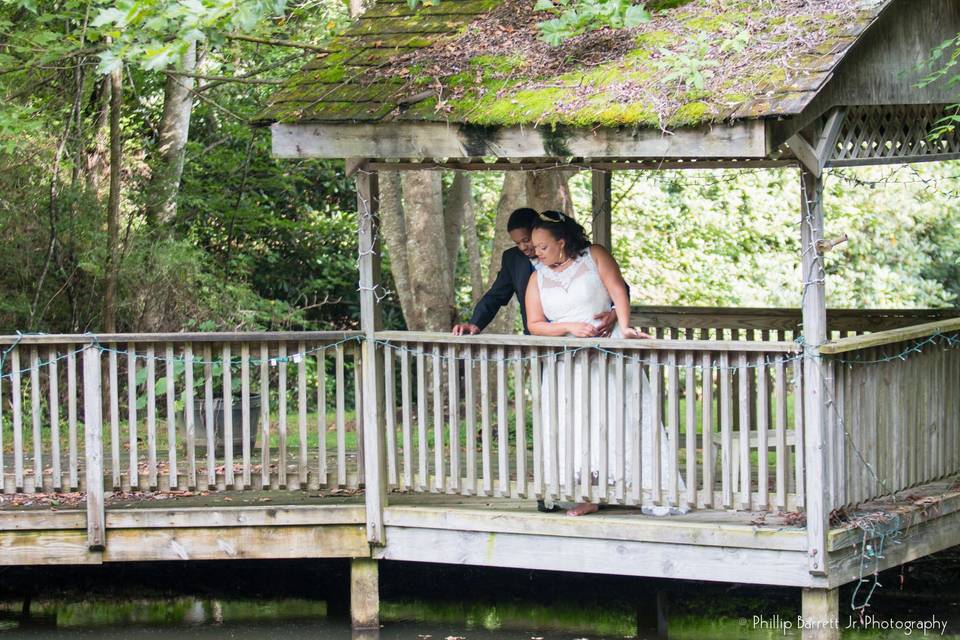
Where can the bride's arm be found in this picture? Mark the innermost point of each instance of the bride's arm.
(538, 324)
(610, 276)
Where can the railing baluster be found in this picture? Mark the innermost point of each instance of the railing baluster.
(301, 359)
(133, 470)
(405, 402)
(780, 413)
(690, 429)
(189, 417)
(582, 367)
(763, 425)
(798, 429)
(726, 431)
(245, 413)
(282, 416)
(391, 417)
(603, 435)
(566, 412)
(114, 418)
(151, 417)
(553, 460)
(469, 402)
(226, 358)
(341, 419)
(437, 370)
(673, 429)
(17, 408)
(35, 420)
(503, 460)
(358, 408)
(322, 417)
(621, 446)
(265, 477)
(744, 398)
(706, 427)
(171, 418)
(636, 436)
(424, 478)
(485, 421)
(656, 420)
(72, 418)
(453, 413)
(208, 414)
(520, 423)
(54, 403)
(536, 385)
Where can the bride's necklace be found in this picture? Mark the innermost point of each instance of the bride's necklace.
(559, 265)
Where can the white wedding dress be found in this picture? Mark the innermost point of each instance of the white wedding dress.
(577, 294)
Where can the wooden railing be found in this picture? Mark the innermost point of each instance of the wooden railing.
(894, 415)
(172, 416)
(486, 415)
(710, 323)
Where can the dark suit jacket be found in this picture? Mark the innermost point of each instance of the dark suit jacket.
(515, 270)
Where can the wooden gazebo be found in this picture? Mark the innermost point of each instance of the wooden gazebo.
(845, 95)
(800, 441)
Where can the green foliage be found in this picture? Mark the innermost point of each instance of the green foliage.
(692, 65)
(942, 63)
(157, 33)
(575, 17)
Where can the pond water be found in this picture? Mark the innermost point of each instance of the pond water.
(280, 601)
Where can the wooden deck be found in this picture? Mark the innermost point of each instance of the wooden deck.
(734, 546)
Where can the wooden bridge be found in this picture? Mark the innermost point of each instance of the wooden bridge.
(795, 456)
(452, 473)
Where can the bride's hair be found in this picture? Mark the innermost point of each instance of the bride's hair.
(564, 227)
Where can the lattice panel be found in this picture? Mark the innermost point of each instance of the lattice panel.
(877, 135)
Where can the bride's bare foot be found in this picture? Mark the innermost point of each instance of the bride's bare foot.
(583, 508)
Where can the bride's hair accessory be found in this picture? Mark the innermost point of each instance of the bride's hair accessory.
(564, 227)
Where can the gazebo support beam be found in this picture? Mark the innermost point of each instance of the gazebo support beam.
(814, 387)
(602, 215)
(371, 320)
(743, 139)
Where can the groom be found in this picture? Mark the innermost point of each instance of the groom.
(516, 265)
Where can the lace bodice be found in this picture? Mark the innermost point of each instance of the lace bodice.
(575, 294)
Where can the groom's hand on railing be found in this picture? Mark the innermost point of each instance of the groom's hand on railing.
(465, 329)
(607, 320)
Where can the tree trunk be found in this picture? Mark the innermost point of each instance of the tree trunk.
(512, 196)
(164, 184)
(431, 281)
(470, 238)
(550, 190)
(393, 227)
(113, 204)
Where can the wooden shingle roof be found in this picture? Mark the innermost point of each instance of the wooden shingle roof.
(481, 62)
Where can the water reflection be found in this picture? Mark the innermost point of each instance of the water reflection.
(186, 618)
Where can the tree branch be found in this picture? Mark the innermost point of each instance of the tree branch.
(276, 43)
(223, 79)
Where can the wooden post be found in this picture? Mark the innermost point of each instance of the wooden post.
(93, 447)
(371, 320)
(820, 609)
(814, 398)
(601, 188)
(364, 593)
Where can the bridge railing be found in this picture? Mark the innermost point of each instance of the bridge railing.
(683, 424)
(173, 416)
(893, 419)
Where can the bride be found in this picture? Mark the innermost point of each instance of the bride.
(574, 281)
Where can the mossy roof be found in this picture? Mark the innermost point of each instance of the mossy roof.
(481, 62)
